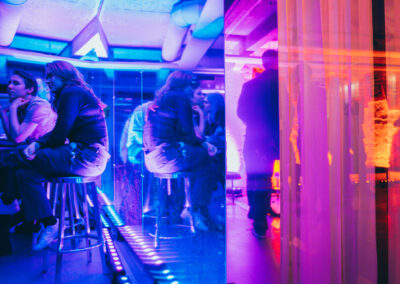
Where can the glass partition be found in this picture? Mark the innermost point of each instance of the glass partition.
(186, 249)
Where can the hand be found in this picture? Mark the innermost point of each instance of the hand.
(198, 109)
(153, 107)
(211, 149)
(30, 150)
(18, 102)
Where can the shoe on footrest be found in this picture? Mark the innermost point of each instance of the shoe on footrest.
(199, 222)
(9, 209)
(185, 215)
(46, 237)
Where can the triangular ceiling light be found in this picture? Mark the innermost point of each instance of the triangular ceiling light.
(92, 37)
(96, 44)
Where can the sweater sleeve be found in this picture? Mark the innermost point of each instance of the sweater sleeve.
(68, 107)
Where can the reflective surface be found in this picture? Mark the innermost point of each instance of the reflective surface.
(124, 80)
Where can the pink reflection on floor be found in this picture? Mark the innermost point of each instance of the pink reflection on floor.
(250, 260)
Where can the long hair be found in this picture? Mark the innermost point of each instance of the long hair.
(177, 81)
(217, 109)
(71, 77)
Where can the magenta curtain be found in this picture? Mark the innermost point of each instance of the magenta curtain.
(329, 144)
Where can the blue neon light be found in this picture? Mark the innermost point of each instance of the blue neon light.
(137, 54)
(38, 44)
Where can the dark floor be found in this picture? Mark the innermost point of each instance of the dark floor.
(198, 258)
(24, 267)
(250, 260)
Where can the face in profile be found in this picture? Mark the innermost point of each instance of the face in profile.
(17, 88)
(54, 82)
(206, 105)
(198, 98)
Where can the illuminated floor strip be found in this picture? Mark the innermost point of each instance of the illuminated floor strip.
(115, 260)
(113, 216)
(112, 253)
(143, 248)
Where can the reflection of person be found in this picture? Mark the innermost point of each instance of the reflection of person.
(131, 149)
(134, 141)
(197, 101)
(80, 120)
(214, 107)
(43, 90)
(29, 116)
(258, 108)
(171, 145)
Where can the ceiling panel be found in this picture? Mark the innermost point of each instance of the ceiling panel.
(56, 19)
(133, 28)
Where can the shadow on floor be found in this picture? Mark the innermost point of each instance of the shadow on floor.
(25, 267)
(250, 260)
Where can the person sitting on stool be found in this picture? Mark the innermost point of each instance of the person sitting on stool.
(81, 122)
(171, 145)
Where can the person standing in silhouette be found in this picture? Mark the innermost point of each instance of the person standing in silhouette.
(258, 108)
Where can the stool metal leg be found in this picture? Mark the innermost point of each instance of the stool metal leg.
(158, 204)
(98, 225)
(56, 186)
(169, 186)
(188, 203)
(48, 190)
(233, 192)
(71, 188)
(76, 207)
(61, 234)
(87, 223)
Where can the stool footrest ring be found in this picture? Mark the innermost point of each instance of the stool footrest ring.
(63, 251)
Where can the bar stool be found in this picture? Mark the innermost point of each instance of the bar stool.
(161, 203)
(67, 187)
(233, 191)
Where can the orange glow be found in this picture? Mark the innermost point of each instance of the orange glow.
(276, 175)
(256, 71)
(294, 133)
(330, 158)
(393, 176)
(378, 133)
(276, 223)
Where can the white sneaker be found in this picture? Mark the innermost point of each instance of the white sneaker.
(9, 209)
(185, 215)
(36, 235)
(47, 235)
(199, 221)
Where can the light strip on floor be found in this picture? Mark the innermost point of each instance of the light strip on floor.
(113, 255)
(113, 215)
(146, 252)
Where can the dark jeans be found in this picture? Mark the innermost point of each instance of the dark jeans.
(52, 162)
(259, 198)
(7, 176)
(5, 244)
(195, 159)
